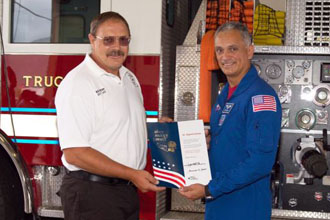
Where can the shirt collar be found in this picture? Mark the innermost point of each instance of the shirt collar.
(97, 70)
(245, 83)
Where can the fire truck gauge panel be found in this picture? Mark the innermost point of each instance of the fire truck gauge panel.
(306, 64)
(289, 79)
(298, 72)
(285, 118)
(322, 116)
(285, 123)
(257, 68)
(284, 93)
(325, 72)
(290, 64)
(307, 93)
(285, 112)
(322, 95)
(305, 119)
(273, 71)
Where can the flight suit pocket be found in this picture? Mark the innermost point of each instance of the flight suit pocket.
(264, 137)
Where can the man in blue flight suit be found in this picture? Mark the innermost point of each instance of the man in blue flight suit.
(245, 129)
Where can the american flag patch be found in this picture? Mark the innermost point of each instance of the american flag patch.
(263, 103)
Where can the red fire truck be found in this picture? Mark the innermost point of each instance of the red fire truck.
(42, 40)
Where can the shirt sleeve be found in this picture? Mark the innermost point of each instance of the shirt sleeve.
(262, 136)
(75, 111)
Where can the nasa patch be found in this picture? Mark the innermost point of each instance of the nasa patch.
(228, 108)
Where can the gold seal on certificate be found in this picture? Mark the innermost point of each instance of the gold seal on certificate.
(171, 146)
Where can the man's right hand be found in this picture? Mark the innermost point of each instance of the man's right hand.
(145, 182)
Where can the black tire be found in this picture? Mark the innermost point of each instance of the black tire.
(11, 194)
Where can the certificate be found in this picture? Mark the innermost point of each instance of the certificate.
(179, 153)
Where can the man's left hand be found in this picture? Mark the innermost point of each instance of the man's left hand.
(193, 192)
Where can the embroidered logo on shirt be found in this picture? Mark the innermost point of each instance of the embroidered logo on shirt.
(100, 91)
(228, 108)
(263, 103)
(133, 80)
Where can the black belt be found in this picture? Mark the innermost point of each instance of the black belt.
(84, 175)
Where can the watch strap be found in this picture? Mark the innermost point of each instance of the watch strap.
(207, 193)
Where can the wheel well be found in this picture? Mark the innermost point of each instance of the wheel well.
(11, 191)
(13, 159)
(8, 161)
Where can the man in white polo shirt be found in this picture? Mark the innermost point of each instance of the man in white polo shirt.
(102, 129)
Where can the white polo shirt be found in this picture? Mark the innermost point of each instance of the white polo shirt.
(102, 111)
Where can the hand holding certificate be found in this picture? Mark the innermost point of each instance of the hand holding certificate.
(179, 153)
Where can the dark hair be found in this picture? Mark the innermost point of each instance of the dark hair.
(232, 25)
(110, 15)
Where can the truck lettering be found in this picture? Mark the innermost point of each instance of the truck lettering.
(42, 81)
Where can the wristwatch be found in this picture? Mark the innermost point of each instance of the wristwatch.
(207, 193)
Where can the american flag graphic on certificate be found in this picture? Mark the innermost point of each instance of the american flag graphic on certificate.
(166, 154)
(263, 103)
(168, 173)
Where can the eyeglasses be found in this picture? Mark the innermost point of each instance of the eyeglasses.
(110, 40)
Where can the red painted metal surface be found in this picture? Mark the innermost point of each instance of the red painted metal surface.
(41, 154)
(31, 79)
(146, 69)
(148, 200)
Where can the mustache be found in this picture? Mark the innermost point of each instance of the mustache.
(115, 53)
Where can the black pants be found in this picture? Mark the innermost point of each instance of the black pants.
(86, 200)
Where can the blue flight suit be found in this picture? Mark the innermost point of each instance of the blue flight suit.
(245, 132)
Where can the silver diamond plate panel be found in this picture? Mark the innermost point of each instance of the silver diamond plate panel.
(295, 24)
(191, 38)
(179, 203)
(160, 204)
(170, 37)
(292, 50)
(49, 186)
(292, 214)
(186, 81)
(175, 215)
(183, 216)
(54, 213)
